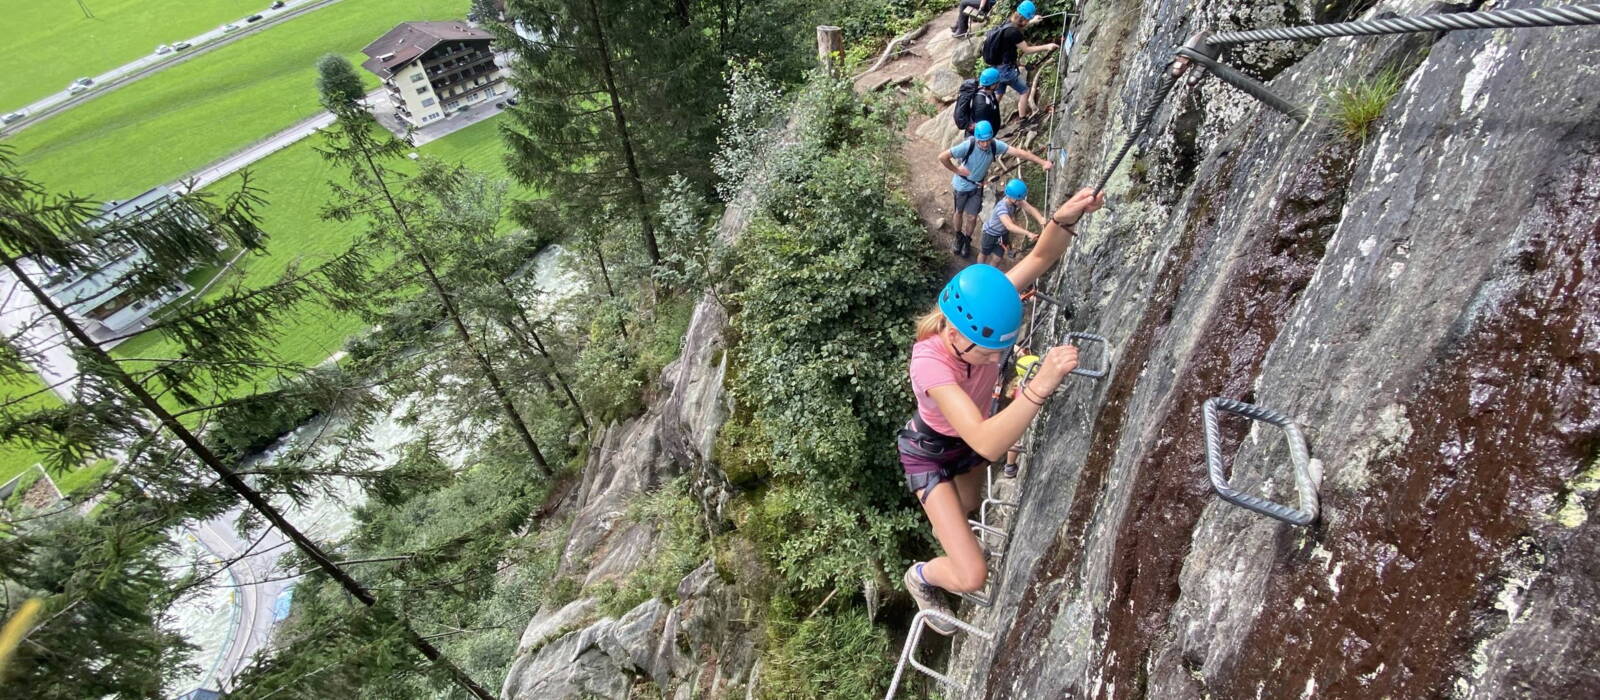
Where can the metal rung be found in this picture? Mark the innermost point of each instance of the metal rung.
(1104, 354)
(1307, 472)
(908, 652)
(1105, 357)
(983, 508)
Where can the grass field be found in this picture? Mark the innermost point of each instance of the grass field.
(295, 184)
(156, 130)
(51, 40)
(15, 459)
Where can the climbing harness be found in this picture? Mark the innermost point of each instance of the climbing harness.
(1205, 49)
(1307, 474)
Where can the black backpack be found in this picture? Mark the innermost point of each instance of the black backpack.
(964, 99)
(991, 45)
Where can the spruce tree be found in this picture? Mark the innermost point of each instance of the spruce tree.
(138, 407)
(396, 219)
(613, 97)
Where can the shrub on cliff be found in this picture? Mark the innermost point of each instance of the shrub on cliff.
(832, 271)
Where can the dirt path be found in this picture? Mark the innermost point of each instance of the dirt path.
(917, 72)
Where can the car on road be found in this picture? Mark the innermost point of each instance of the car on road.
(511, 101)
(163, 49)
(252, 18)
(77, 89)
(14, 116)
(181, 46)
(229, 28)
(86, 82)
(276, 5)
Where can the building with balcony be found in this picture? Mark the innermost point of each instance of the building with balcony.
(100, 297)
(433, 69)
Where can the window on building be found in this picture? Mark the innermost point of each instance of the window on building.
(433, 115)
(422, 90)
(417, 77)
(428, 102)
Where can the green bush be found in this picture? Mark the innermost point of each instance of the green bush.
(833, 270)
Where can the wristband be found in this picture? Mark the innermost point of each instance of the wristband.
(1028, 396)
(1057, 222)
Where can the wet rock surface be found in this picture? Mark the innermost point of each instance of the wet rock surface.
(1423, 302)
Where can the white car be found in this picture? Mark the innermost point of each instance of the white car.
(181, 46)
(77, 89)
(86, 82)
(229, 27)
(163, 49)
(14, 116)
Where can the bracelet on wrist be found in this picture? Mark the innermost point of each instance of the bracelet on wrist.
(1032, 397)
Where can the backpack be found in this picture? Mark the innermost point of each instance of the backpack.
(991, 45)
(964, 99)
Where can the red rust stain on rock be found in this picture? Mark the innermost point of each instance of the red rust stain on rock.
(1509, 411)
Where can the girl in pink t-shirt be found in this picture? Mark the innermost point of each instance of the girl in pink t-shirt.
(954, 367)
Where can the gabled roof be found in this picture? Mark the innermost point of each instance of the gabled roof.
(406, 42)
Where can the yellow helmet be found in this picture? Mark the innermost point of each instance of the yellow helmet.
(1025, 362)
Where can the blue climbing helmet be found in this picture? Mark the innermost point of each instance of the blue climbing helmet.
(1027, 9)
(981, 302)
(983, 131)
(1016, 189)
(989, 76)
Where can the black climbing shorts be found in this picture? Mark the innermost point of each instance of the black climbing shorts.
(992, 245)
(970, 201)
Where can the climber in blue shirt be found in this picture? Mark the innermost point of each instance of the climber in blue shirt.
(976, 155)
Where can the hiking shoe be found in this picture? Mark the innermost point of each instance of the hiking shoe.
(928, 598)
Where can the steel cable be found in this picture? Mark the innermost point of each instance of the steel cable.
(1168, 79)
(1497, 19)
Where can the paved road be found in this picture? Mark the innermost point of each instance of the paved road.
(151, 64)
(256, 595)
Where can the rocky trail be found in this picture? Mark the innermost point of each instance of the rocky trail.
(931, 66)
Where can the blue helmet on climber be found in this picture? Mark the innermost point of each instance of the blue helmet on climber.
(983, 131)
(1016, 189)
(989, 76)
(981, 302)
(1027, 9)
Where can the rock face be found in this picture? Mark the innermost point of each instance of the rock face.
(1423, 302)
(704, 643)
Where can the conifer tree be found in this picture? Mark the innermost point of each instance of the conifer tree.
(136, 408)
(613, 96)
(396, 218)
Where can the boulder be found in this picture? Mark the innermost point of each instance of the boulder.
(941, 83)
(941, 129)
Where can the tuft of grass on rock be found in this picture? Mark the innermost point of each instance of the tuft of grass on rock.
(1357, 105)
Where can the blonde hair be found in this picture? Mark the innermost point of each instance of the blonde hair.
(929, 324)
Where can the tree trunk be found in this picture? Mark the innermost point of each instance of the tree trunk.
(232, 480)
(622, 134)
(450, 310)
(830, 44)
(529, 331)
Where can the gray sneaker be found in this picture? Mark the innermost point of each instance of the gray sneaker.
(928, 598)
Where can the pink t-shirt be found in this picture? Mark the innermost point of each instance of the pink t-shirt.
(933, 365)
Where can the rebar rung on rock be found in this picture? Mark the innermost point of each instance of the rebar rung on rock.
(1306, 475)
(908, 656)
